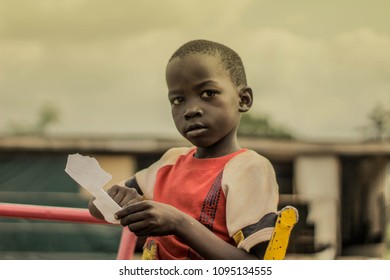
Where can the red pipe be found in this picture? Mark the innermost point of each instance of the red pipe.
(66, 214)
(127, 245)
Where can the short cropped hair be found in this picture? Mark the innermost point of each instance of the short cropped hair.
(230, 60)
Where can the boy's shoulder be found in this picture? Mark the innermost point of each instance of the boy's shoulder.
(173, 153)
(249, 159)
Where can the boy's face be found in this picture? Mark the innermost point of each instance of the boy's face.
(204, 100)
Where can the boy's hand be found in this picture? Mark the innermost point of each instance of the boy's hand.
(150, 218)
(124, 196)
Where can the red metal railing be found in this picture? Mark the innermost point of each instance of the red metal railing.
(66, 214)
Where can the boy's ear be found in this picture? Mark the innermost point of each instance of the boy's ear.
(246, 99)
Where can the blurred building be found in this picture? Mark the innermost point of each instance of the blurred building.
(340, 189)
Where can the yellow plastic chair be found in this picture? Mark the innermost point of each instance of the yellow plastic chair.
(277, 246)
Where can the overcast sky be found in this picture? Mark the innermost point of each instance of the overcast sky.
(317, 67)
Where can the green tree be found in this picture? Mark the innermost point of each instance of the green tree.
(47, 116)
(262, 127)
(378, 127)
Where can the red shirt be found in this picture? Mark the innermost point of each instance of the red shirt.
(195, 187)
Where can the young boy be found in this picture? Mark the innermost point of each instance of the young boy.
(214, 200)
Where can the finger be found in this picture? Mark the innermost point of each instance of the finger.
(132, 218)
(119, 197)
(131, 209)
(131, 197)
(113, 190)
(117, 193)
(139, 228)
(132, 201)
(131, 192)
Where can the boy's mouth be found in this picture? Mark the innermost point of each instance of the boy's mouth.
(194, 130)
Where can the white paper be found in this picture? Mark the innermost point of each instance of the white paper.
(87, 172)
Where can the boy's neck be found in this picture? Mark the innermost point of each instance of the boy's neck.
(225, 146)
(216, 151)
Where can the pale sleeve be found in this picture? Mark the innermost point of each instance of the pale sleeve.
(252, 195)
(146, 178)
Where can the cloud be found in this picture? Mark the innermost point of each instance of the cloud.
(319, 87)
(104, 65)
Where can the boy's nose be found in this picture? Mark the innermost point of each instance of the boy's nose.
(192, 112)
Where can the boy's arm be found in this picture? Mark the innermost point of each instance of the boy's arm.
(151, 218)
(209, 246)
(252, 195)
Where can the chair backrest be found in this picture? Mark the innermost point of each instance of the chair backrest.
(277, 246)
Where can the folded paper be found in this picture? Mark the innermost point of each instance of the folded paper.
(87, 172)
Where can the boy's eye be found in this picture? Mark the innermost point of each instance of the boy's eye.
(177, 100)
(207, 94)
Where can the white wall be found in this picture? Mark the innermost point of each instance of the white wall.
(317, 181)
